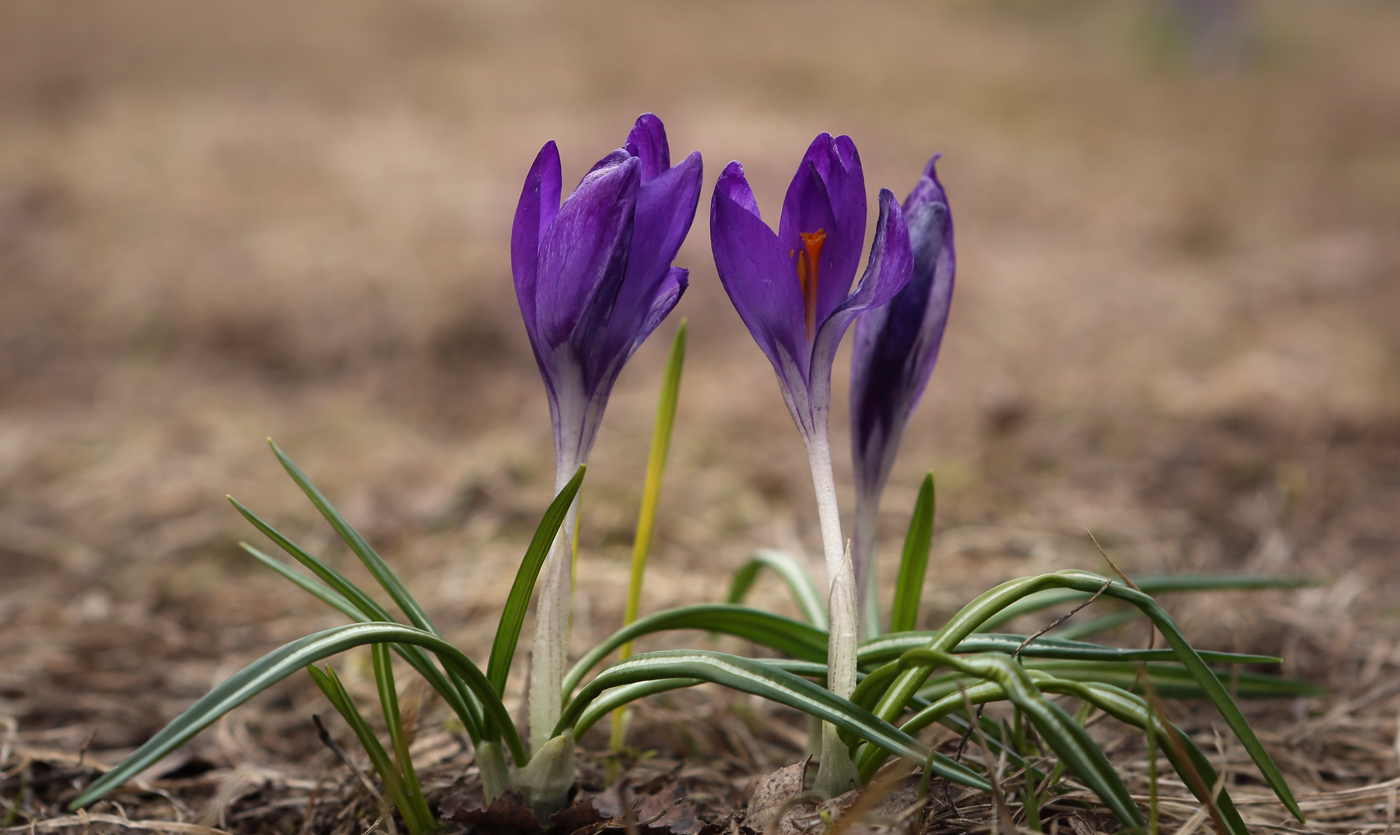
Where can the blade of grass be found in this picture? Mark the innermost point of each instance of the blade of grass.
(651, 488)
(282, 662)
(765, 628)
(317, 589)
(398, 740)
(810, 600)
(513, 613)
(458, 696)
(769, 681)
(904, 615)
(1070, 741)
(336, 694)
(1154, 584)
(974, 614)
(1083, 629)
(376, 565)
(890, 647)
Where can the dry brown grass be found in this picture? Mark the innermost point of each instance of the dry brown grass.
(1175, 325)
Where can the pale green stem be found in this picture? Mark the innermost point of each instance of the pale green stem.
(551, 647)
(837, 774)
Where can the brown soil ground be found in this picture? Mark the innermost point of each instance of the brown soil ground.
(1175, 325)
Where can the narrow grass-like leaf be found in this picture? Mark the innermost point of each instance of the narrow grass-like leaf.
(1070, 741)
(765, 628)
(996, 600)
(339, 698)
(904, 616)
(389, 703)
(619, 697)
(809, 599)
(316, 588)
(1077, 631)
(513, 613)
(282, 662)
(761, 679)
(1118, 703)
(651, 487)
(458, 696)
(890, 647)
(1154, 584)
(1176, 682)
(376, 565)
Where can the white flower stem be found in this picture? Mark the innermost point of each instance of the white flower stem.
(837, 774)
(551, 647)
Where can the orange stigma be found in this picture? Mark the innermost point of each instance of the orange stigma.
(807, 262)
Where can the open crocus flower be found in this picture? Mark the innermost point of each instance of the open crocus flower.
(792, 289)
(594, 279)
(896, 347)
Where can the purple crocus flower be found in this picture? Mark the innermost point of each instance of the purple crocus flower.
(792, 289)
(594, 279)
(896, 347)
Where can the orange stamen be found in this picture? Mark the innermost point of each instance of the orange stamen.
(807, 268)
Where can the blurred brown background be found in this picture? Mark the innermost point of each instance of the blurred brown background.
(1175, 321)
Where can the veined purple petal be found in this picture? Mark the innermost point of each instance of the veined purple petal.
(584, 253)
(668, 293)
(539, 204)
(896, 347)
(648, 137)
(665, 209)
(759, 277)
(836, 208)
(886, 273)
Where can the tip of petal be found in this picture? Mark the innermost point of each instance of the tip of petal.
(734, 186)
(647, 140)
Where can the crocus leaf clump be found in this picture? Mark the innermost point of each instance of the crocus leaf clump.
(594, 277)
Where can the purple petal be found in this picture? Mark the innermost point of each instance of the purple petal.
(887, 271)
(927, 190)
(584, 253)
(896, 346)
(828, 194)
(759, 277)
(648, 137)
(665, 210)
(539, 204)
(668, 293)
(612, 159)
(735, 186)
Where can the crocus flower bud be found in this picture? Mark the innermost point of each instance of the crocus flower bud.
(594, 278)
(896, 347)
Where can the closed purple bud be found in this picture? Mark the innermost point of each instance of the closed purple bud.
(896, 348)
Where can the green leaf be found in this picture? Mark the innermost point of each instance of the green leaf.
(1076, 631)
(656, 466)
(1154, 584)
(748, 675)
(1070, 741)
(910, 586)
(619, 697)
(997, 600)
(1176, 682)
(458, 696)
(336, 694)
(810, 600)
(1117, 703)
(417, 813)
(377, 567)
(890, 647)
(513, 613)
(280, 663)
(765, 628)
(317, 589)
